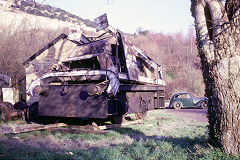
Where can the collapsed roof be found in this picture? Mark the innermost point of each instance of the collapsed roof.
(109, 57)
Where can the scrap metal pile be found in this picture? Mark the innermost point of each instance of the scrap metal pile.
(109, 58)
(92, 77)
(7, 110)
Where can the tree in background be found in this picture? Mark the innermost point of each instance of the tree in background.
(19, 43)
(217, 29)
(177, 53)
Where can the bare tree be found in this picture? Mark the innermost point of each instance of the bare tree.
(217, 29)
(17, 44)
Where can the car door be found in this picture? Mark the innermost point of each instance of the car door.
(187, 100)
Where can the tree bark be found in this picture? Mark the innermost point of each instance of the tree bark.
(217, 29)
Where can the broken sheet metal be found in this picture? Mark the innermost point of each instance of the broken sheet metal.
(147, 59)
(85, 56)
(114, 57)
(96, 47)
(114, 82)
(141, 68)
(112, 76)
(102, 22)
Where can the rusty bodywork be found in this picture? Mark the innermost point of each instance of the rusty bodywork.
(7, 110)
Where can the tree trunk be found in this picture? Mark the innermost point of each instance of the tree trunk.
(217, 30)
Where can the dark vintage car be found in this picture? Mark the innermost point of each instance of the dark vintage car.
(184, 100)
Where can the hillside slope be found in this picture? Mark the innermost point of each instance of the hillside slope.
(14, 13)
(33, 8)
(23, 34)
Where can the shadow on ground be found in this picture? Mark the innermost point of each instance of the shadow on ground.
(12, 148)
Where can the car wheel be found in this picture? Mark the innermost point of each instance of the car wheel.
(9, 105)
(203, 105)
(177, 105)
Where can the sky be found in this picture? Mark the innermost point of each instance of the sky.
(165, 16)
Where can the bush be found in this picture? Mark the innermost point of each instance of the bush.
(178, 56)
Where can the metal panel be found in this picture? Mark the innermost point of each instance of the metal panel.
(101, 22)
(8, 95)
(139, 101)
(72, 101)
(141, 88)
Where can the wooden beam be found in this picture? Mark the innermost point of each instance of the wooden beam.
(34, 128)
(119, 125)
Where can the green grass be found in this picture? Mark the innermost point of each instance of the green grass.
(172, 138)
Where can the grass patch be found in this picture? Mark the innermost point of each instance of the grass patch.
(170, 138)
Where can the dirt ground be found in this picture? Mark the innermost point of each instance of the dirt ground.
(198, 115)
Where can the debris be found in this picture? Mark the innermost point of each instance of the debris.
(159, 118)
(210, 146)
(148, 125)
(120, 125)
(34, 128)
(189, 150)
(95, 126)
(16, 137)
(70, 153)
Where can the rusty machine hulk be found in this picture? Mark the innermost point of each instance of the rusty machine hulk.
(101, 77)
(7, 109)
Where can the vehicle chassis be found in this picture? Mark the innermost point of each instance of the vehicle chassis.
(79, 101)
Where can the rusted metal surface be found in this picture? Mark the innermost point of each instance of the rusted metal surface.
(12, 111)
(8, 112)
(73, 101)
(18, 114)
(85, 100)
(5, 112)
